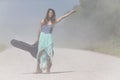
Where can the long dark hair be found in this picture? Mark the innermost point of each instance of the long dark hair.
(47, 18)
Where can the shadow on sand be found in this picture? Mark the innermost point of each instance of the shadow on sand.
(32, 49)
(51, 72)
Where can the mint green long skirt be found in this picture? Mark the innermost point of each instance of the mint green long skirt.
(46, 44)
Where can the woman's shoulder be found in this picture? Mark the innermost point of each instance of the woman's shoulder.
(42, 21)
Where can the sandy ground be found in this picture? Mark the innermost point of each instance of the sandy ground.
(68, 64)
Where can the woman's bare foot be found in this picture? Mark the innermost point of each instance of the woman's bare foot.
(38, 71)
(48, 69)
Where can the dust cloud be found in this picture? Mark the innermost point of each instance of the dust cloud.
(95, 23)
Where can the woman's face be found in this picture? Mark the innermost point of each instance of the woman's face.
(50, 14)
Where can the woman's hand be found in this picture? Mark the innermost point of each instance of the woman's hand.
(73, 11)
(36, 41)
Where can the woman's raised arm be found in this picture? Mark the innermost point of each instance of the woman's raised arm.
(64, 16)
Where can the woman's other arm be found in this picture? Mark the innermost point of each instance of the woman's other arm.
(39, 30)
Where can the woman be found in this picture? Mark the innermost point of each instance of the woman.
(45, 40)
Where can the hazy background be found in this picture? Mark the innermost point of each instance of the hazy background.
(94, 27)
(95, 23)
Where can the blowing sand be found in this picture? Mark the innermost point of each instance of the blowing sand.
(68, 64)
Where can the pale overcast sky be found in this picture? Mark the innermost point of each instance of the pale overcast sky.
(14, 11)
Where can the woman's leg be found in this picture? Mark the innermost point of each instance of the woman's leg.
(49, 64)
(38, 70)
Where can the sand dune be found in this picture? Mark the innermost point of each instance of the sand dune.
(68, 64)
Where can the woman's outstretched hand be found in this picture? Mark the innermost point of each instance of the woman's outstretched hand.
(73, 11)
(65, 15)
